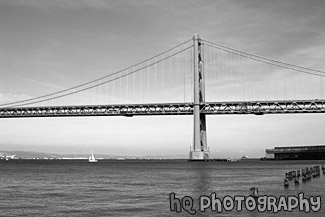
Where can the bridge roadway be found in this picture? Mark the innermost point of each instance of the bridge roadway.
(129, 110)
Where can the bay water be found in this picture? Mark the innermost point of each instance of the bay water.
(143, 187)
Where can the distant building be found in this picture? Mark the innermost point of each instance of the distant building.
(269, 153)
(296, 153)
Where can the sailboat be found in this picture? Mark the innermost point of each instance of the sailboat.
(92, 158)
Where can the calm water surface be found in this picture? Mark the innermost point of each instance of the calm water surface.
(141, 188)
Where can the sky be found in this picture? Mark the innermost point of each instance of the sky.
(50, 45)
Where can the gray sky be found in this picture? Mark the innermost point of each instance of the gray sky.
(48, 45)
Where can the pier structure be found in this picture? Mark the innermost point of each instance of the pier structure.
(296, 153)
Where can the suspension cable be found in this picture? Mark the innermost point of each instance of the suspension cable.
(261, 57)
(93, 81)
(279, 64)
(113, 79)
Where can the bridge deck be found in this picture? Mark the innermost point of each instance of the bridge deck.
(210, 108)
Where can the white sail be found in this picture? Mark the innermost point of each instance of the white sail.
(92, 158)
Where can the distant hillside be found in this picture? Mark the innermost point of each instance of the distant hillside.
(29, 154)
(32, 155)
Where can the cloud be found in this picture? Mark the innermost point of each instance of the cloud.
(66, 4)
(9, 97)
(43, 83)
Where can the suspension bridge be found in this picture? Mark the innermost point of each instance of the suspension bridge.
(197, 77)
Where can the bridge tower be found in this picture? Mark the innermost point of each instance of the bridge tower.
(199, 151)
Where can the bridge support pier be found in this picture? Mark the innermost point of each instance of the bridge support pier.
(200, 151)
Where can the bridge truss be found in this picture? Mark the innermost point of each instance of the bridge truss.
(209, 108)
